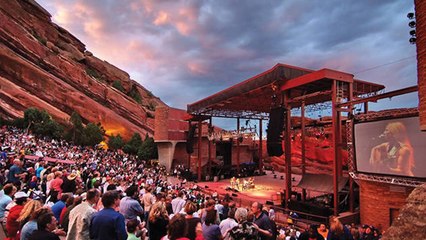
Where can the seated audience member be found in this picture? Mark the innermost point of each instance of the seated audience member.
(46, 225)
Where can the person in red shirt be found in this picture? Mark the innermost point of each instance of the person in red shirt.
(12, 224)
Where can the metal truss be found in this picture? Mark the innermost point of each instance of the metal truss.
(408, 182)
(385, 114)
(221, 113)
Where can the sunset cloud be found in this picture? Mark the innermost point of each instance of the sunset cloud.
(210, 45)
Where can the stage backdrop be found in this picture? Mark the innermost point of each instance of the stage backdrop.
(391, 147)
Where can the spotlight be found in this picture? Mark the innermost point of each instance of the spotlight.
(413, 33)
(413, 40)
(412, 24)
(410, 15)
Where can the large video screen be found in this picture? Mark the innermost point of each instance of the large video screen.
(391, 147)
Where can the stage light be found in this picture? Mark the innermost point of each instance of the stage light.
(410, 15)
(413, 40)
(412, 24)
(413, 33)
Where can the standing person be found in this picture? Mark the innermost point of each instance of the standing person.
(338, 231)
(211, 230)
(244, 229)
(69, 184)
(148, 200)
(107, 223)
(46, 224)
(176, 228)
(79, 218)
(8, 191)
(261, 221)
(31, 225)
(178, 203)
(157, 221)
(56, 183)
(12, 224)
(322, 229)
(228, 223)
(192, 223)
(129, 206)
(15, 172)
(29, 208)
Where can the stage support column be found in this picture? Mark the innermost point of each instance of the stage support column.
(351, 181)
(302, 138)
(287, 141)
(210, 150)
(189, 154)
(200, 128)
(260, 147)
(335, 123)
(238, 145)
(366, 107)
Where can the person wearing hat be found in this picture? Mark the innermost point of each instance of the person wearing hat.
(69, 184)
(12, 224)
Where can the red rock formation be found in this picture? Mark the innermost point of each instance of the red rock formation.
(45, 66)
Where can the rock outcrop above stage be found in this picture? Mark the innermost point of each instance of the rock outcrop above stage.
(411, 222)
(45, 66)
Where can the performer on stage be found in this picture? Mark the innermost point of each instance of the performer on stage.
(233, 182)
(237, 184)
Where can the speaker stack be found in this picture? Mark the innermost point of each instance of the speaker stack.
(190, 139)
(274, 132)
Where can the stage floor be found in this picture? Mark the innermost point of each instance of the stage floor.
(267, 188)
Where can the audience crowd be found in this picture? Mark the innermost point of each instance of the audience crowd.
(104, 194)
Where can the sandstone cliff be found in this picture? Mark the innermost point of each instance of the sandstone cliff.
(45, 66)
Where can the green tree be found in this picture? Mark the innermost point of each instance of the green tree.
(41, 123)
(133, 145)
(148, 149)
(92, 134)
(115, 142)
(134, 93)
(76, 129)
(117, 85)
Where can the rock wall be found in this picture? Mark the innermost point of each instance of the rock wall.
(45, 66)
(411, 222)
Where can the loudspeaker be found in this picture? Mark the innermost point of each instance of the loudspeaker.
(269, 203)
(275, 128)
(190, 139)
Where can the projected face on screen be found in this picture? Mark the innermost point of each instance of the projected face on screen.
(394, 147)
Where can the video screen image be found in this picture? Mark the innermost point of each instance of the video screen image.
(391, 147)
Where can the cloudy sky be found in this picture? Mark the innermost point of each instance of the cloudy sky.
(185, 50)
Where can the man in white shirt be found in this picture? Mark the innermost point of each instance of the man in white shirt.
(228, 223)
(178, 203)
(79, 223)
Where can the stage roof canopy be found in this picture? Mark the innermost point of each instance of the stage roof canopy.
(254, 97)
(321, 182)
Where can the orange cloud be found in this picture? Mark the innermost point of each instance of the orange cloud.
(162, 18)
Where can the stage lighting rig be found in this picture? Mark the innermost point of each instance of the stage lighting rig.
(412, 24)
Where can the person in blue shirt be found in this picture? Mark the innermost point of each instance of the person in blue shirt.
(15, 172)
(108, 223)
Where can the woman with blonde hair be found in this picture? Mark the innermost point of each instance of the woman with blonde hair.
(27, 211)
(396, 154)
(158, 220)
(31, 225)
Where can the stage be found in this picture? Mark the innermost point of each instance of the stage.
(266, 188)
